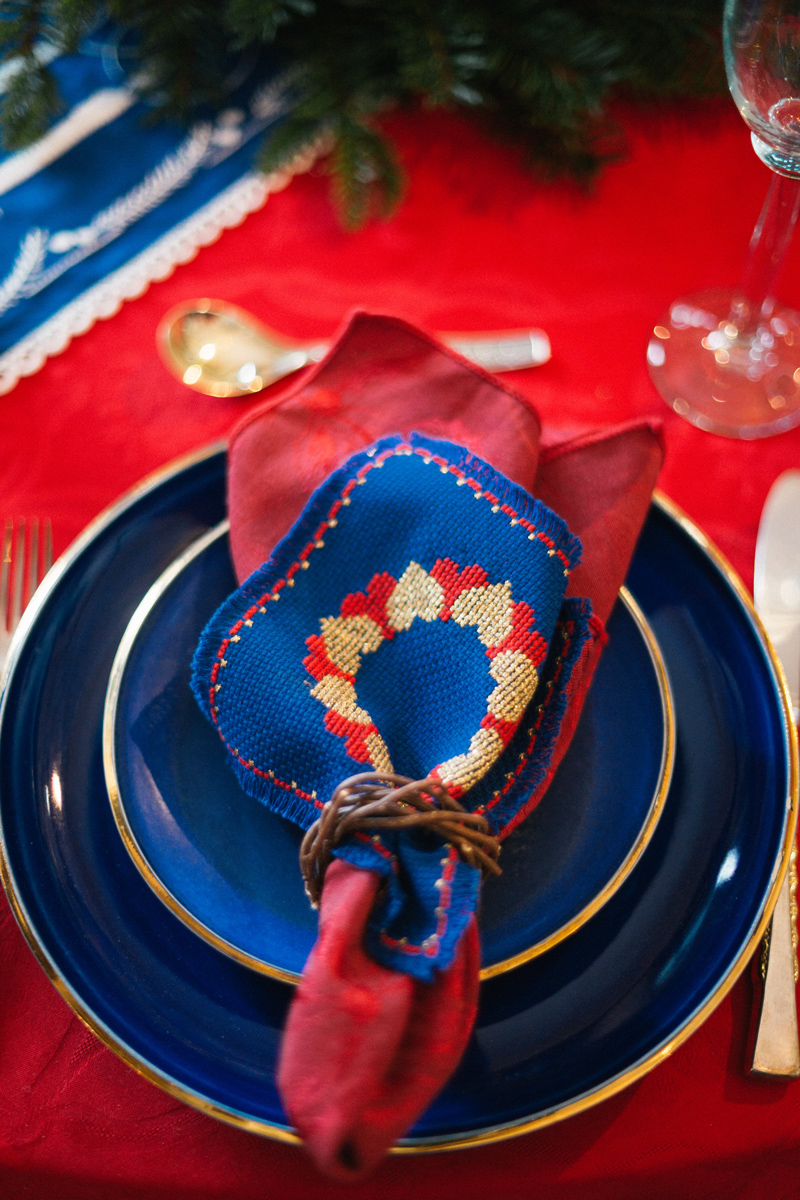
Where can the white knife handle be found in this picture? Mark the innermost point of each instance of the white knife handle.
(776, 1050)
(511, 351)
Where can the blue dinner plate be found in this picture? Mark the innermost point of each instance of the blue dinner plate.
(553, 1036)
(229, 867)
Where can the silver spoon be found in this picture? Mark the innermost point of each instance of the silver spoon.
(222, 350)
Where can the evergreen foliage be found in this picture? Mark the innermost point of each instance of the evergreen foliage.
(538, 72)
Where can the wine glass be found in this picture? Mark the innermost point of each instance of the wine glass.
(729, 361)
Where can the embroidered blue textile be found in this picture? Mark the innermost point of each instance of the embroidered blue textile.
(106, 201)
(413, 621)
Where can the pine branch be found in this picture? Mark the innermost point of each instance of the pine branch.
(289, 139)
(539, 73)
(250, 23)
(182, 51)
(31, 100)
(29, 106)
(71, 21)
(366, 175)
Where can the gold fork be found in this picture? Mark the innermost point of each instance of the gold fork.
(27, 555)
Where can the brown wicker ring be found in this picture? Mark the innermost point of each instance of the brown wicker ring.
(376, 801)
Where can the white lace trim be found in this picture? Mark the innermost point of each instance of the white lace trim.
(157, 261)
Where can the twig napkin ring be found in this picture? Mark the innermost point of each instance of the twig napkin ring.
(378, 801)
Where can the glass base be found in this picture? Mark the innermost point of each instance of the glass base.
(742, 384)
(777, 160)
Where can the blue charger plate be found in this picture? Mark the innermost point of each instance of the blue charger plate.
(556, 1035)
(229, 867)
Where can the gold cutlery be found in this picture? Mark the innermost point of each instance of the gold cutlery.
(27, 556)
(221, 350)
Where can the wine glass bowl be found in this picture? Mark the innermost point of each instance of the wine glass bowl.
(761, 40)
(729, 360)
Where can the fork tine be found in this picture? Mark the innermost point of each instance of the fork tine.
(18, 554)
(5, 569)
(33, 559)
(48, 545)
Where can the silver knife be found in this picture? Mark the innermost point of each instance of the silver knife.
(776, 589)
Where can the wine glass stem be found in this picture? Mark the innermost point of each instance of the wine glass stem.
(768, 246)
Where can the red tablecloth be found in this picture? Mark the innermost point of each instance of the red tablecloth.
(477, 245)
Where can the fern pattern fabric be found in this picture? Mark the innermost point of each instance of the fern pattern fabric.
(414, 621)
(106, 202)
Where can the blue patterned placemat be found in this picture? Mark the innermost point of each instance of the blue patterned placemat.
(106, 201)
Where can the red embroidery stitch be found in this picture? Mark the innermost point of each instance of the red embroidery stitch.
(431, 946)
(373, 604)
(354, 733)
(376, 843)
(522, 637)
(317, 662)
(272, 777)
(454, 582)
(504, 729)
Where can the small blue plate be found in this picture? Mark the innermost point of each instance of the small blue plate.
(554, 1036)
(228, 866)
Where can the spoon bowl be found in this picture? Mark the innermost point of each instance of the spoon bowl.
(222, 350)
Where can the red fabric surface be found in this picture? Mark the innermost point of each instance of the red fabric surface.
(601, 484)
(366, 1049)
(477, 245)
(382, 378)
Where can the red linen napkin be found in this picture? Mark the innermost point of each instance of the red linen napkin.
(365, 1048)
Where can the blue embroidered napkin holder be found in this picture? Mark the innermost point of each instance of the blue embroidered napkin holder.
(413, 620)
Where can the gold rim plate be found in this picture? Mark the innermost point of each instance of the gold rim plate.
(129, 639)
(498, 1133)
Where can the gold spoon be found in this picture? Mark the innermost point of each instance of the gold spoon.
(222, 350)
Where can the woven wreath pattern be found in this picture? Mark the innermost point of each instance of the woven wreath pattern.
(390, 606)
